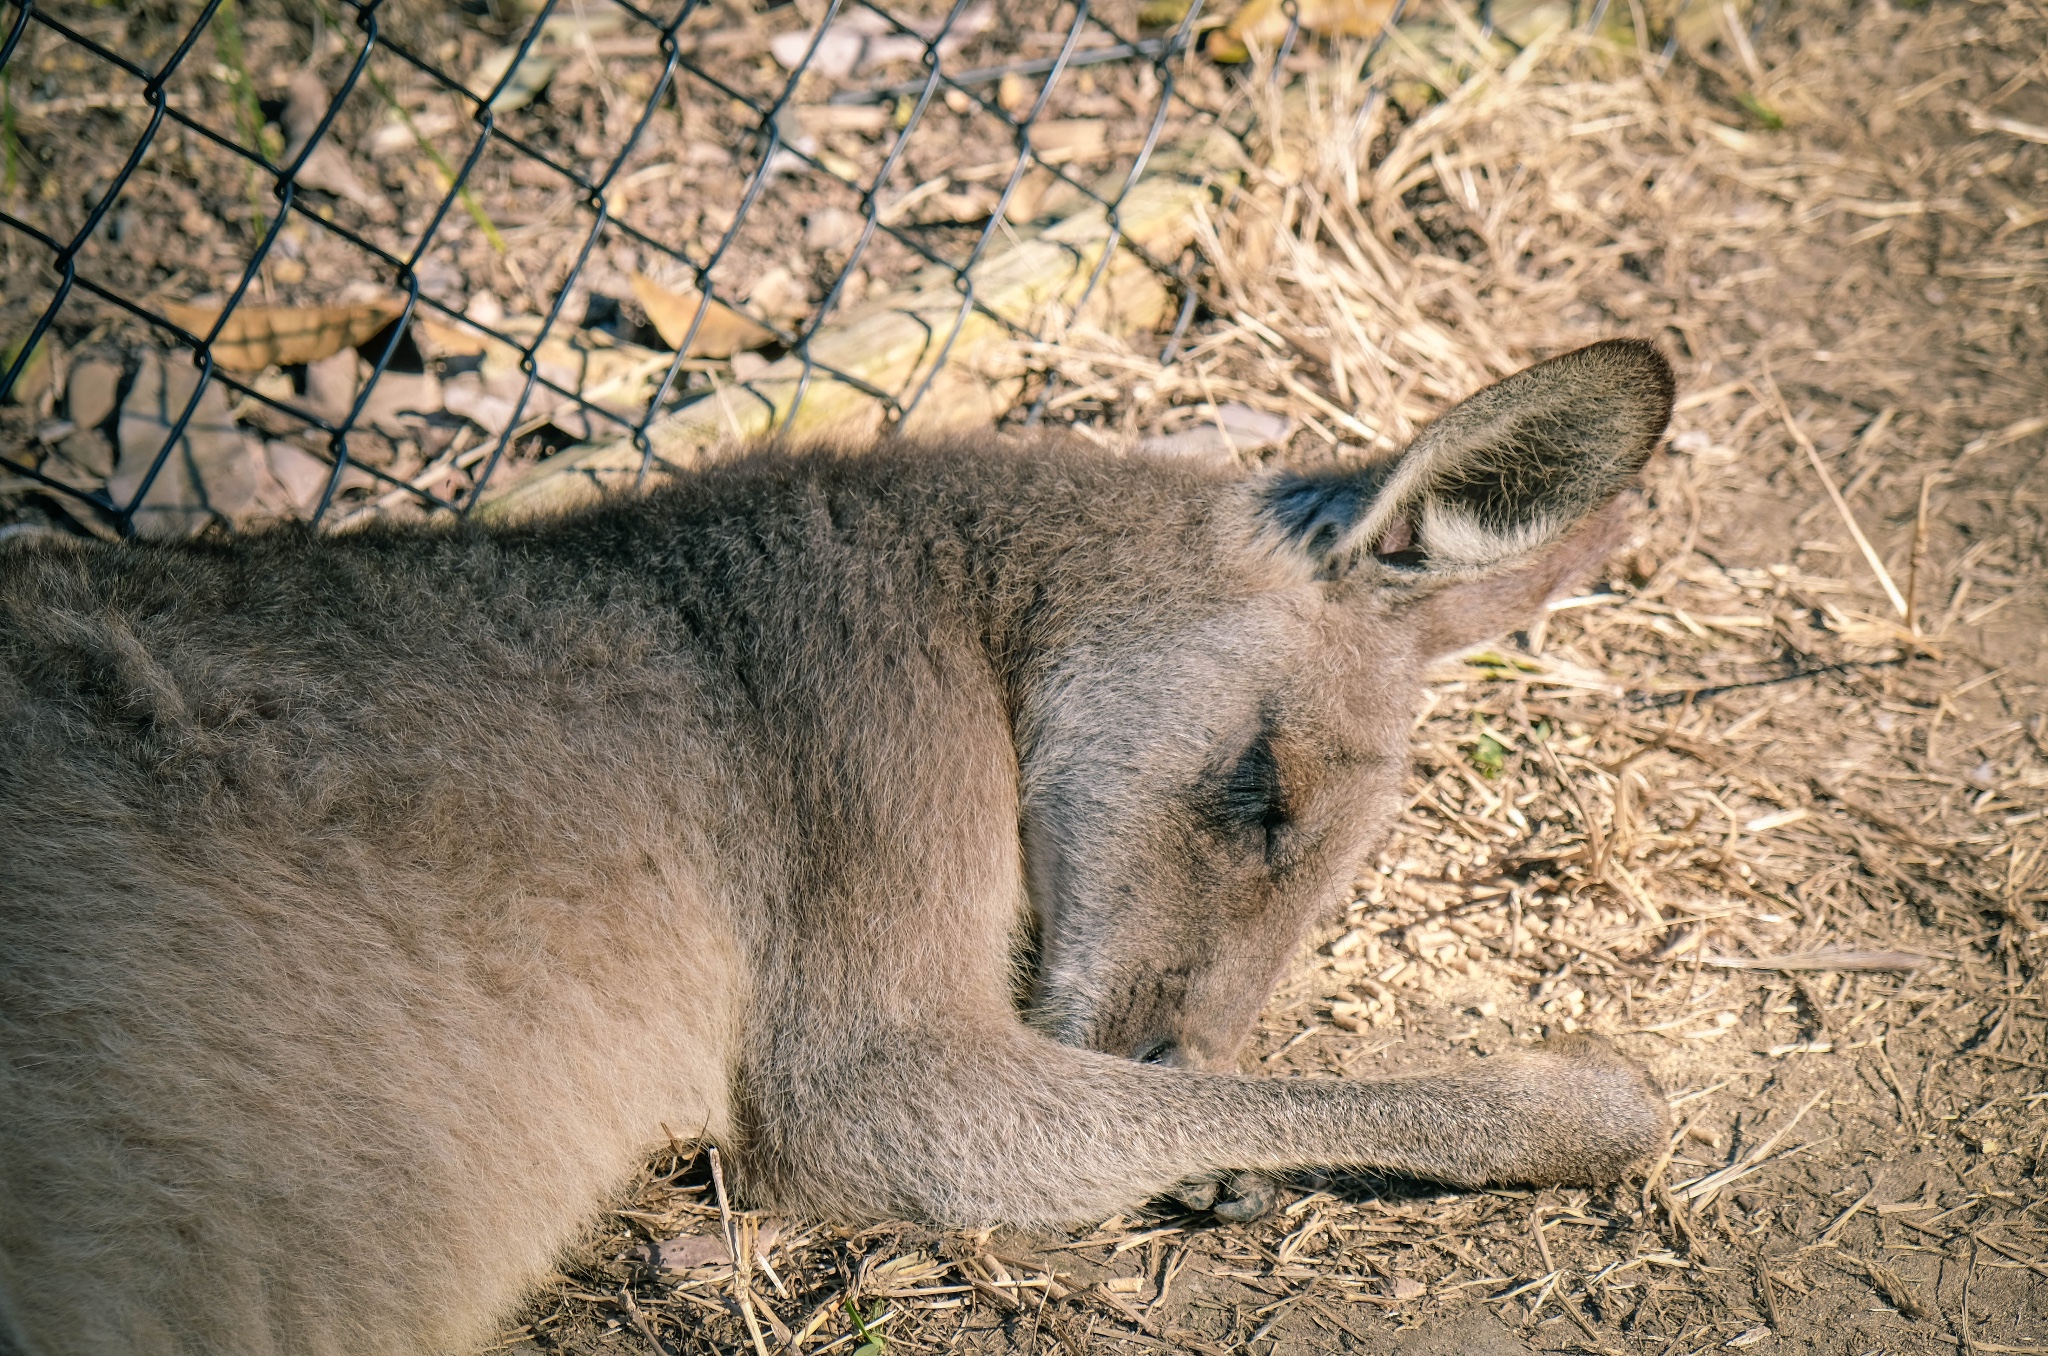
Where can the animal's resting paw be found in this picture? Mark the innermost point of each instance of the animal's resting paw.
(1621, 1084)
(1248, 1196)
(1238, 1199)
(1606, 1111)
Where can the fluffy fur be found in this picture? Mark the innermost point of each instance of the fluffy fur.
(370, 905)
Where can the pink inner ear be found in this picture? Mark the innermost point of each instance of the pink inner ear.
(1399, 536)
(1506, 599)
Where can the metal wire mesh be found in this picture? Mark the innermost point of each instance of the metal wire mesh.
(756, 128)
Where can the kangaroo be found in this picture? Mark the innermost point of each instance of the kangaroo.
(923, 824)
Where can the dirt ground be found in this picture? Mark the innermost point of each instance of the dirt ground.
(1779, 837)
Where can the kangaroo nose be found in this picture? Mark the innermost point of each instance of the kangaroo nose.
(1159, 1050)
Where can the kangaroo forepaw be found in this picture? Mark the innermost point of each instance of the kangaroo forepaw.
(1247, 1196)
(1601, 1111)
(1199, 1194)
(1237, 1198)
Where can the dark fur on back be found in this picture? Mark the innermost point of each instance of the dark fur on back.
(370, 904)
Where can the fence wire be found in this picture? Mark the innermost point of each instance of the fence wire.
(350, 193)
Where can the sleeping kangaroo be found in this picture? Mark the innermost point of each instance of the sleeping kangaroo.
(925, 826)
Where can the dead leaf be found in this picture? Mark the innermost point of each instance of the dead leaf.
(860, 38)
(1061, 139)
(327, 167)
(89, 395)
(723, 333)
(396, 134)
(1264, 23)
(1232, 429)
(832, 230)
(465, 394)
(1036, 195)
(529, 80)
(690, 1251)
(301, 475)
(256, 337)
(445, 339)
(208, 475)
(778, 293)
(83, 460)
(608, 373)
(563, 36)
(395, 403)
(331, 384)
(38, 381)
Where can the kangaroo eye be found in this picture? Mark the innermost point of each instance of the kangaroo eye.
(1251, 795)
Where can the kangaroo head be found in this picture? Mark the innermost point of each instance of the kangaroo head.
(1210, 757)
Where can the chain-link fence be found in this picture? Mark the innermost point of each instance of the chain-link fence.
(320, 262)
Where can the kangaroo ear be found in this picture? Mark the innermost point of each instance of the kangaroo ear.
(1497, 503)
(1503, 474)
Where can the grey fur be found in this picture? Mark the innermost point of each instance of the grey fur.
(368, 905)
